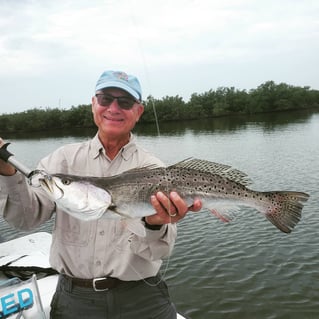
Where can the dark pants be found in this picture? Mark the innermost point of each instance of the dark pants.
(147, 299)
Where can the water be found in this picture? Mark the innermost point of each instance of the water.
(245, 269)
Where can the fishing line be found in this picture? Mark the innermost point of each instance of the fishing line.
(167, 260)
(152, 101)
(145, 64)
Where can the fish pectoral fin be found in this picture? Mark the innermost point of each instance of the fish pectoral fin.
(114, 209)
(225, 213)
(135, 226)
(220, 216)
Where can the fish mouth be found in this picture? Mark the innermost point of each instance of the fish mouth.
(48, 184)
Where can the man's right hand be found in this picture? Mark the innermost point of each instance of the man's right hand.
(5, 168)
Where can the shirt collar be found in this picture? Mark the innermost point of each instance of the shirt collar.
(126, 152)
(129, 148)
(96, 146)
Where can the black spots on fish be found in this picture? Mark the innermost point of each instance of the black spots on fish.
(147, 186)
(258, 197)
(202, 180)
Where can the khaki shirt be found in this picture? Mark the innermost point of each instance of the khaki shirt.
(88, 249)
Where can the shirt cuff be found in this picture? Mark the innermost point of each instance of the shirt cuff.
(151, 227)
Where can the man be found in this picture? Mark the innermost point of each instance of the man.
(106, 271)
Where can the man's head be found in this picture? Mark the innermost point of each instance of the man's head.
(116, 105)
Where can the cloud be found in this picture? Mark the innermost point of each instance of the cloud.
(59, 48)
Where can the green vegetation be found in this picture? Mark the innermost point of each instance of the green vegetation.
(268, 97)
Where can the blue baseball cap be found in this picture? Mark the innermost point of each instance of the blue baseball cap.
(121, 80)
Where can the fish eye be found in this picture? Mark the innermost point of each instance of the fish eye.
(65, 181)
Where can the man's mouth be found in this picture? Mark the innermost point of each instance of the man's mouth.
(113, 119)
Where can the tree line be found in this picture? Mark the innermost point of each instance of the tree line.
(268, 97)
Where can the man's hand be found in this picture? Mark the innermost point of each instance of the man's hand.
(170, 209)
(5, 168)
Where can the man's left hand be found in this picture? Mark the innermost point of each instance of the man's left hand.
(170, 209)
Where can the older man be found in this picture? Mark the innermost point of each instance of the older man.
(106, 272)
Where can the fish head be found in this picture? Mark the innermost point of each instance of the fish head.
(76, 196)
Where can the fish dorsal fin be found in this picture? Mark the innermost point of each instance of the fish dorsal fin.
(215, 168)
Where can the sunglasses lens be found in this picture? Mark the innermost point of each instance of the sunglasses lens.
(104, 100)
(124, 103)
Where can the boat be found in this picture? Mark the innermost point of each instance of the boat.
(27, 281)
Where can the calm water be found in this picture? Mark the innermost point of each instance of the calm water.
(246, 269)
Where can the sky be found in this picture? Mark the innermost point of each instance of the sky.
(52, 52)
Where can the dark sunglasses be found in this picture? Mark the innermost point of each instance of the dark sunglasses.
(124, 102)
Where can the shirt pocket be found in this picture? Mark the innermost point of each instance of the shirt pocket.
(72, 231)
(121, 236)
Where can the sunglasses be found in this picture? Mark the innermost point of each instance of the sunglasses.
(124, 102)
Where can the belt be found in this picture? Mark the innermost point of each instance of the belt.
(97, 284)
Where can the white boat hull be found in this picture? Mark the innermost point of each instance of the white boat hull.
(32, 251)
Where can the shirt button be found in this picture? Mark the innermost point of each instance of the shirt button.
(102, 233)
(98, 263)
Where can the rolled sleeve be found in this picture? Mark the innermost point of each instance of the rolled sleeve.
(22, 206)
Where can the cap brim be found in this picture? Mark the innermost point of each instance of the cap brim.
(119, 85)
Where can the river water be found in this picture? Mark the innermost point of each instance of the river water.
(247, 268)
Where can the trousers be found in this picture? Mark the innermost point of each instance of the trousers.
(143, 299)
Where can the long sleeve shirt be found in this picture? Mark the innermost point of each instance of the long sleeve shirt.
(88, 249)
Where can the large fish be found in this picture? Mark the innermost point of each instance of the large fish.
(222, 189)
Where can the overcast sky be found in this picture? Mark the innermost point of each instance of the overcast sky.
(52, 52)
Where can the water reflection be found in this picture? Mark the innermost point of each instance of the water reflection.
(266, 121)
(62, 133)
(280, 120)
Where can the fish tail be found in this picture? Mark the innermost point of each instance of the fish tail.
(285, 211)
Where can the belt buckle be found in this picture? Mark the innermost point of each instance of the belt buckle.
(95, 280)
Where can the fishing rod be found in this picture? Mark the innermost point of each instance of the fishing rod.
(9, 158)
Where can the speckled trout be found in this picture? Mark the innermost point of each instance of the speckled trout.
(221, 188)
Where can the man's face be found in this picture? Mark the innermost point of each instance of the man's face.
(114, 120)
